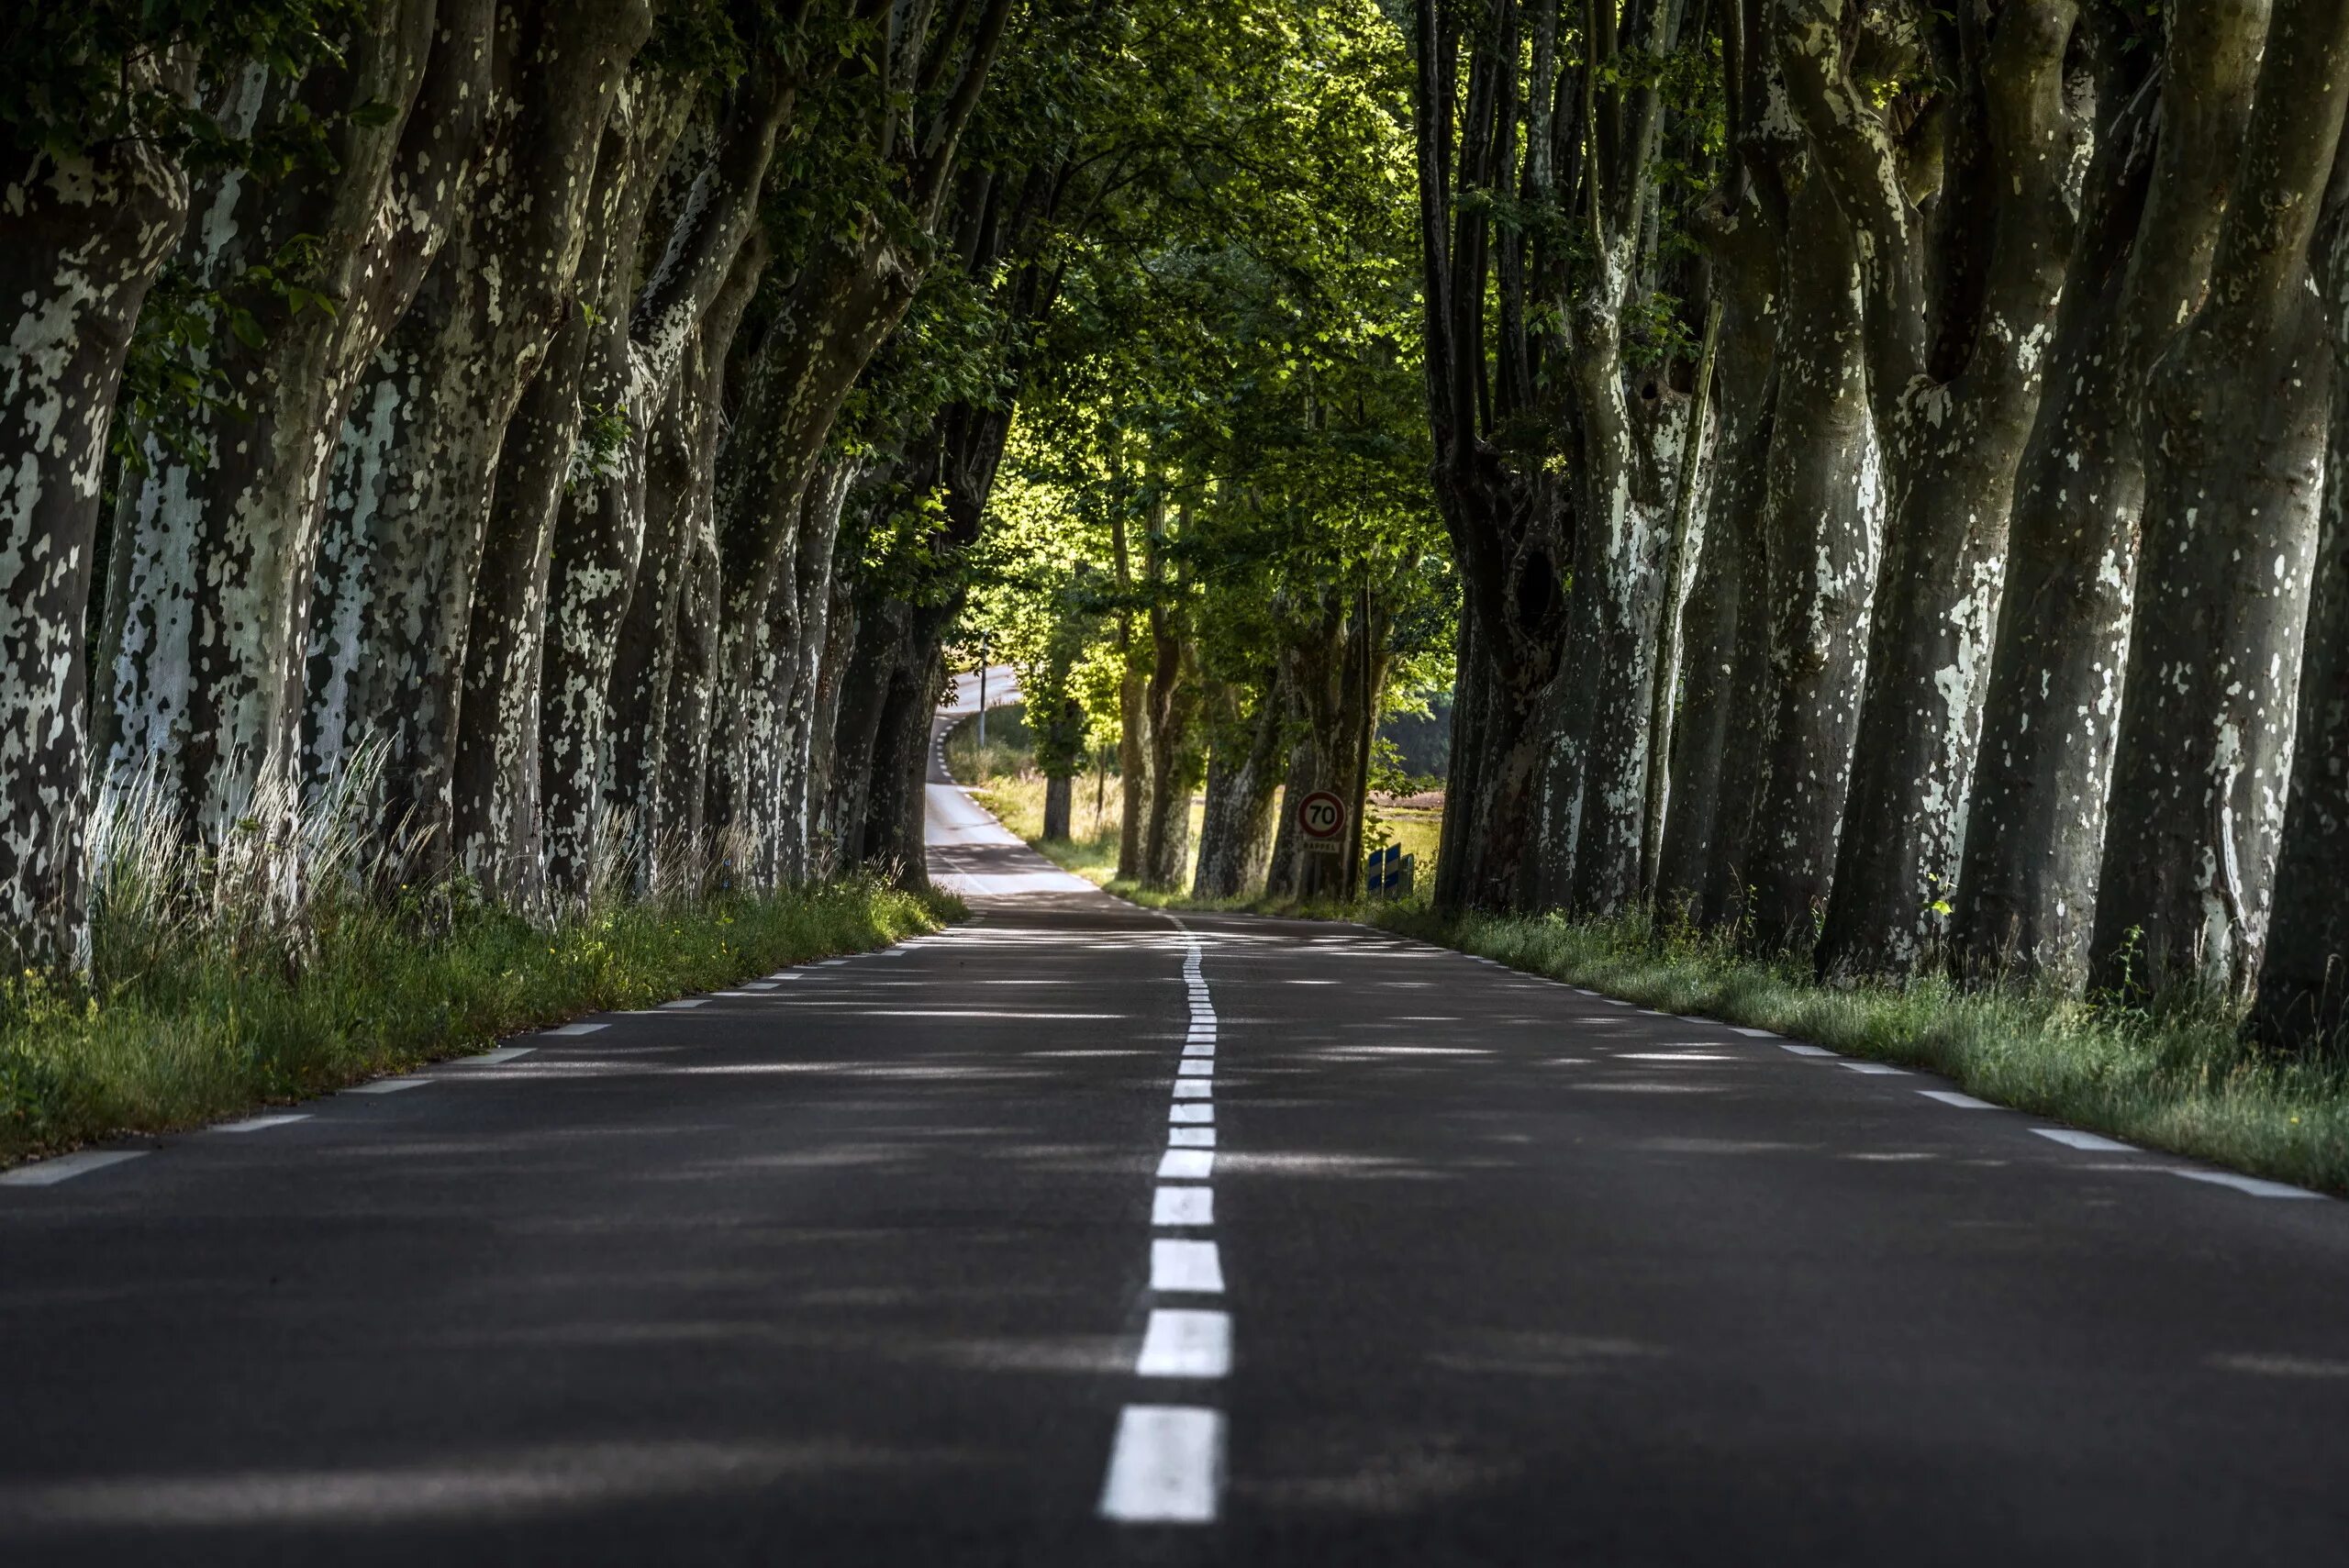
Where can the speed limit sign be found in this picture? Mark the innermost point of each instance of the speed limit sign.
(1321, 821)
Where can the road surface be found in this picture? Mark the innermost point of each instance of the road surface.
(1081, 1235)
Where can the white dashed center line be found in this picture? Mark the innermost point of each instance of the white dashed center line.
(1185, 1165)
(387, 1085)
(1963, 1102)
(1195, 1267)
(1183, 1343)
(1182, 1206)
(1166, 1467)
(1166, 1462)
(575, 1028)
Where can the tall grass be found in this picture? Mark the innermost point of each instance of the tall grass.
(2183, 1079)
(290, 959)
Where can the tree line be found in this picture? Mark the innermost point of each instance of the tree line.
(567, 426)
(1884, 454)
(1998, 343)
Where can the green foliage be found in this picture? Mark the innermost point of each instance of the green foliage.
(173, 386)
(2186, 1081)
(601, 444)
(84, 75)
(196, 1030)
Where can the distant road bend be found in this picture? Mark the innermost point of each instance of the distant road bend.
(1084, 1235)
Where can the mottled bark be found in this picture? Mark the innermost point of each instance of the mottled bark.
(1297, 781)
(410, 492)
(811, 604)
(1595, 786)
(1822, 515)
(211, 567)
(893, 843)
(81, 240)
(2303, 1000)
(2035, 823)
(1953, 351)
(1243, 770)
(1504, 503)
(2234, 453)
(1172, 694)
(680, 472)
(680, 788)
(1133, 720)
(840, 630)
(1719, 731)
(643, 347)
(497, 781)
(850, 294)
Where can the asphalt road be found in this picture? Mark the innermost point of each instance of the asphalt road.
(925, 1257)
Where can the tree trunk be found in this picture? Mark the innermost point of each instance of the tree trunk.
(1059, 792)
(900, 753)
(1724, 667)
(1235, 835)
(1172, 695)
(1955, 374)
(213, 560)
(81, 241)
(2035, 824)
(2233, 457)
(643, 347)
(841, 622)
(812, 601)
(1823, 511)
(410, 492)
(2303, 1001)
(498, 801)
(883, 624)
(1133, 717)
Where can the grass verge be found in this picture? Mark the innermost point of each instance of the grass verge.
(2184, 1082)
(191, 1032)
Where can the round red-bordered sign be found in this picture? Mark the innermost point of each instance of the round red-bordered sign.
(1321, 815)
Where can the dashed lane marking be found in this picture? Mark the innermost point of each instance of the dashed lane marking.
(1800, 1049)
(503, 1053)
(1191, 1114)
(575, 1028)
(1192, 1067)
(65, 1167)
(685, 1002)
(1193, 1089)
(1195, 1267)
(2252, 1185)
(2073, 1138)
(261, 1123)
(387, 1085)
(1190, 1138)
(1963, 1102)
(1182, 1206)
(1877, 1068)
(1181, 1342)
(1166, 1465)
(1185, 1165)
